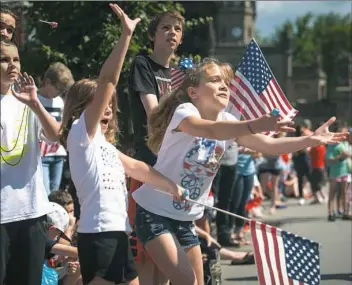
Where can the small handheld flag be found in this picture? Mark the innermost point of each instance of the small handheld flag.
(254, 91)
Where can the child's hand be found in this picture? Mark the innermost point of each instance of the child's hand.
(323, 136)
(72, 267)
(180, 194)
(27, 90)
(128, 24)
(270, 122)
(210, 240)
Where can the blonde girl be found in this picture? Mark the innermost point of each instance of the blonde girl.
(190, 132)
(98, 170)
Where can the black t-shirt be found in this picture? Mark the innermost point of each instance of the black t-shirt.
(146, 77)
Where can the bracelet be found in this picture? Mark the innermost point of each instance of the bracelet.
(250, 128)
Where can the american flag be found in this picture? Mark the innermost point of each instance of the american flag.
(283, 258)
(254, 91)
(177, 76)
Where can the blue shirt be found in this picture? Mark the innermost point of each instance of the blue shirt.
(245, 164)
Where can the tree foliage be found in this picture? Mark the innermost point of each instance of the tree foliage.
(318, 40)
(86, 33)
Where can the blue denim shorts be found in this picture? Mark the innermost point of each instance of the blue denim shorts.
(148, 226)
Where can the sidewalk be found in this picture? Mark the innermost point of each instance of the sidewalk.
(310, 222)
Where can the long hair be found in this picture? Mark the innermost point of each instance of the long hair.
(77, 99)
(160, 118)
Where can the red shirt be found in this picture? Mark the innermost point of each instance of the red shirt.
(317, 156)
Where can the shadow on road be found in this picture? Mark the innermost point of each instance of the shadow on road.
(337, 276)
(249, 278)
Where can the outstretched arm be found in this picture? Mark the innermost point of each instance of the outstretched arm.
(110, 73)
(226, 130)
(269, 145)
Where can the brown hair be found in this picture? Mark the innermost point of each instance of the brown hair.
(5, 9)
(158, 18)
(60, 76)
(160, 118)
(77, 99)
(61, 197)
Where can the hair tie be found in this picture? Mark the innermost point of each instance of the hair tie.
(178, 73)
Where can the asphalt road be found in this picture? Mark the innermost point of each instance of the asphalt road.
(310, 222)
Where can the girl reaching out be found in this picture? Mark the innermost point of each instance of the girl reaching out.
(190, 133)
(98, 170)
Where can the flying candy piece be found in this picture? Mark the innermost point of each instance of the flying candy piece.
(185, 63)
(54, 25)
(275, 112)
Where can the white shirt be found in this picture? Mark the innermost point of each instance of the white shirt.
(55, 107)
(23, 194)
(99, 178)
(191, 162)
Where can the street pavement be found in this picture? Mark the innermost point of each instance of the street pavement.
(309, 221)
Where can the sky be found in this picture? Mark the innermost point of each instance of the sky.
(273, 13)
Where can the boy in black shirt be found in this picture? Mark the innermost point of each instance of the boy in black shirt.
(149, 80)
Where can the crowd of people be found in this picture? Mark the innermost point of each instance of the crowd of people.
(127, 219)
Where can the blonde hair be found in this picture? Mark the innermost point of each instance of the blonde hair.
(78, 98)
(60, 76)
(160, 118)
(228, 71)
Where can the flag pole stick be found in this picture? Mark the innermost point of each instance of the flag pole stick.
(210, 207)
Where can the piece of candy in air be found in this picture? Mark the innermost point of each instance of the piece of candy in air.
(275, 112)
(54, 25)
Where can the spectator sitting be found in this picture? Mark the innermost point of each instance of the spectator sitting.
(58, 222)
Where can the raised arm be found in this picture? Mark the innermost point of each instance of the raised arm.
(110, 73)
(27, 93)
(269, 145)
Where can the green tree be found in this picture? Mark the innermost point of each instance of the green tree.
(86, 33)
(318, 40)
(85, 36)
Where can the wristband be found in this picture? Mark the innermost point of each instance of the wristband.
(250, 128)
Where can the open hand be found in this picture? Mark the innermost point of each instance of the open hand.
(269, 122)
(25, 91)
(128, 24)
(323, 136)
